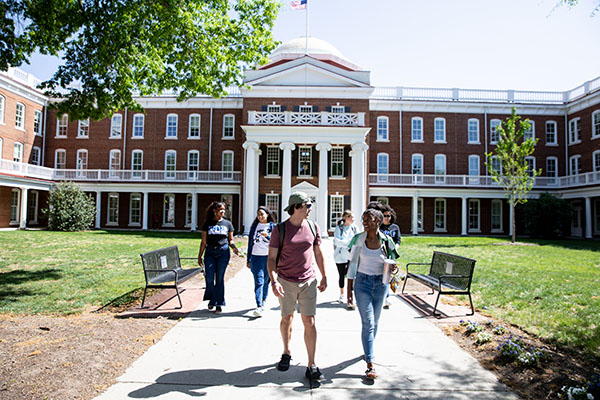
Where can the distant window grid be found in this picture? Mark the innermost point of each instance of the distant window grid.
(20, 116)
(227, 199)
(135, 209)
(496, 164)
(62, 125)
(273, 108)
(575, 165)
(137, 162)
(420, 222)
(2, 108)
(194, 126)
(338, 109)
(171, 128)
(114, 163)
(337, 162)
(32, 207)
(382, 129)
(529, 133)
(417, 129)
(272, 203)
(417, 167)
(35, 155)
(474, 216)
(474, 165)
(113, 209)
(305, 109)
(440, 168)
(170, 164)
(383, 200)
(18, 152)
(82, 162)
(189, 203)
(439, 215)
(551, 131)
(193, 163)
(496, 215)
(551, 169)
(494, 134)
(83, 128)
(575, 131)
(596, 159)
(116, 126)
(37, 122)
(138, 126)
(169, 210)
(60, 159)
(305, 161)
(272, 161)
(596, 124)
(227, 164)
(15, 202)
(228, 126)
(530, 165)
(383, 164)
(439, 132)
(473, 131)
(336, 207)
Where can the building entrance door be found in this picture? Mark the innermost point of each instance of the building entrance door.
(576, 223)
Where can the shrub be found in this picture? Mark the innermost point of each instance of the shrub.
(69, 208)
(547, 216)
(499, 330)
(472, 327)
(515, 349)
(483, 337)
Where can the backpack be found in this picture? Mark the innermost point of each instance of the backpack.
(281, 229)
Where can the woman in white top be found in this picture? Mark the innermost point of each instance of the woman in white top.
(342, 235)
(258, 251)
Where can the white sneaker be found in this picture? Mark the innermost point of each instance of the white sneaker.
(258, 312)
(341, 299)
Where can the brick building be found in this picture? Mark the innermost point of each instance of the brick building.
(307, 122)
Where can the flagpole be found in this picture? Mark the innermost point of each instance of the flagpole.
(306, 50)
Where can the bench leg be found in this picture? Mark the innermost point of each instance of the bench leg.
(472, 308)
(144, 298)
(178, 297)
(404, 285)
(436, 303)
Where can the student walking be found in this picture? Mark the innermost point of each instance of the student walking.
(389, 227)
(258, 251)
(217, 238)
(294, 245)
(342, 235)
(370, 251)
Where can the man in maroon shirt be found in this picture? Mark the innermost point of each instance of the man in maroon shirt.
(294, 279)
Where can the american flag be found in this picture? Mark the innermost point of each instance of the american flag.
(298, 4)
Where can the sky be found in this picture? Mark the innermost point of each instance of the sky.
(471, 44)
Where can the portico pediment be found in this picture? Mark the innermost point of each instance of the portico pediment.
(305, 186)
(307, 74)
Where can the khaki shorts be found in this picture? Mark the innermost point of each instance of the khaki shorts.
(304, 294)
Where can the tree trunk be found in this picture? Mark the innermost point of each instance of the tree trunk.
(513, 223)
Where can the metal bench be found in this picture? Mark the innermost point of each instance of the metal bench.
(162, 269)
(448, 274)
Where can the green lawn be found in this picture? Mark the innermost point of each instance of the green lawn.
(551, 289)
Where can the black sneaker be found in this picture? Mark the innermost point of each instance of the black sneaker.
(284, 363)
(313, 373)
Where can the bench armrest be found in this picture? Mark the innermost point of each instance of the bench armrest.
(406, 266)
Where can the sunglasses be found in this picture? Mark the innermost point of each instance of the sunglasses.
(387, 216)
(308, 205)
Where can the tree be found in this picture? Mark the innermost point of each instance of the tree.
(514, 174)
(114, 50)
(573, 3)
(69, 208)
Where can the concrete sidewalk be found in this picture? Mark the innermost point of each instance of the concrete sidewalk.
(233, 355)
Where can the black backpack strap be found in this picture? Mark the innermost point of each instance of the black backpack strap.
(312, 227)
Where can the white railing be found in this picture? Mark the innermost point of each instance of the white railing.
(22, 169)
(305, 118)
(589, 178)
(21, 76)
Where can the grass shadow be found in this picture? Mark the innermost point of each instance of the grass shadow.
(17, 277)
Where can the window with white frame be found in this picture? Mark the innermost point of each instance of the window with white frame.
(227, 164)
(83, 129)
(417, 129)
(272, 160)
(417, 167)
(37, 122)
(473, 216)
(494, 133)
(170, 164)
(530, 161)
(382, 167)
(273, 108)
(575, 131)
(496, 215)
(193, 163)
(596, 160)
(496, 164)
(20, 116)
(596, 124)
(113, 209)
(82, 162)
(18, 152)
(114, 162)
(169, 210)
(337, 162)
(189, 207)
(138, 126)
(35, 155)
(62, 125)
(439, 215)
(32, 206)
(116, 126)
(2, 107)
(228, 126)
(439, 130)
(60, 159)
(272, 203)
(194, 126)
(473, 131)
(338, 109)
(420, 215)
(305, 109)
(137, 162)
(171, 128)
(227, 199)
(305, 161)
(530, 132)
(575, 165)
(383, 200)
(551, 133)
(15, 203)
(474, 171)
(551, 169)
(336, 207)
(135, 209)
(383, 129)
(440, 167)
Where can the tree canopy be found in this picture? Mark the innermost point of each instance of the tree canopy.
(116, 50)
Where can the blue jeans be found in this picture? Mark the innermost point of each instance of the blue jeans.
(258, 266)
(369, 293)
(216, 260)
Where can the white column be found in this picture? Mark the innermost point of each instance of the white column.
(194, 211)
(98, 208)
(145, 211)
(286, 172)
(250, 184)
(359, 181)
(23, 221)
(415, 214)
(588, 218)
(463, 230)
(323, 148)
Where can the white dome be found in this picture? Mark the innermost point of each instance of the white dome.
(298, 46)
